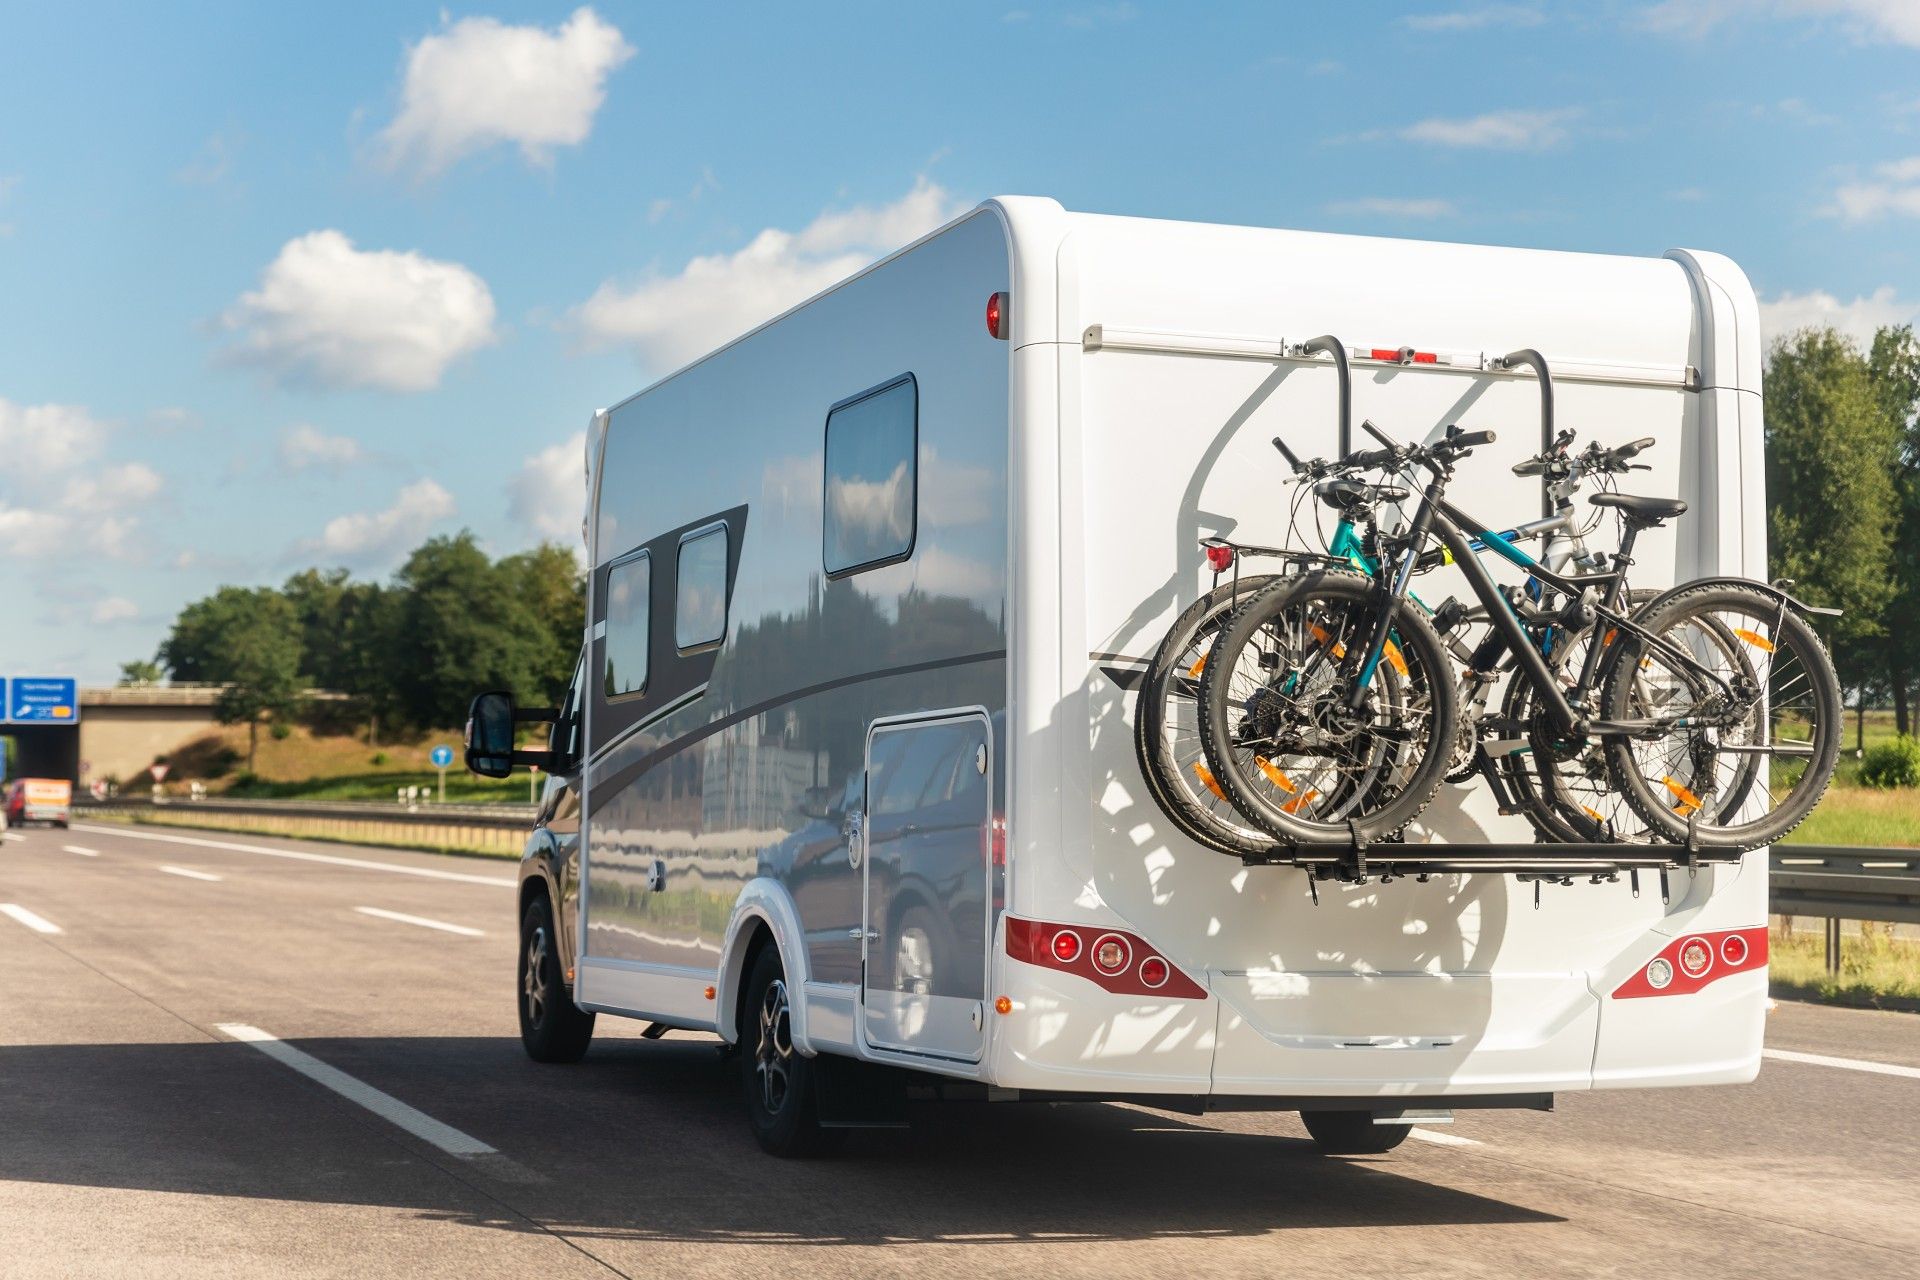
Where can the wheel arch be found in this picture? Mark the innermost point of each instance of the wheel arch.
(763, 915)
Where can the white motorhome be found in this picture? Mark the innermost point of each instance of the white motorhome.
(847, 774)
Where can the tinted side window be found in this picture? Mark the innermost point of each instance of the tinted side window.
(700, 592)
(872, 448)
(629, 582)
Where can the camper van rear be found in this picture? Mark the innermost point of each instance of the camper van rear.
(848, 775)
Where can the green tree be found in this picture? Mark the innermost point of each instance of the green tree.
(548, 581)
(140, 672)
(1832, 508)
(462, 633)
(247, 639)
(1894, 366)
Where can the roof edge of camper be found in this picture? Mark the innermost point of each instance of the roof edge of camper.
(1105, 337)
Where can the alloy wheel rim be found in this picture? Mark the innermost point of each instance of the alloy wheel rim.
(533, 984)
(773, 1055)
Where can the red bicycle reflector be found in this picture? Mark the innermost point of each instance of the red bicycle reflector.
(1066, 946)
(998, 319)
(1154, 971)
(1221, 558)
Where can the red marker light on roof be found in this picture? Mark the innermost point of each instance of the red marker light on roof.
(999, 317)
(1221, 558)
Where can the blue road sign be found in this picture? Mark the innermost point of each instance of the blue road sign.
(442, 756)
(37, 700)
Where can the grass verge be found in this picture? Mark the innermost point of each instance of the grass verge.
(1876, 969)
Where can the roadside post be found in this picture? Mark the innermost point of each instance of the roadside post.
(442, 756)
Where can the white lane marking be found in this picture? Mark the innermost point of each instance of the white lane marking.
(11, 835)
(1439, 1139)
(422, 921)
(82, 850)
(365, 864)
(1845, 1064)
(189, 873)
(39, 924)
(385, 1105)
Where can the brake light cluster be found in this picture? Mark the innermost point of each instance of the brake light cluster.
(1119, 961)
(1690, 963)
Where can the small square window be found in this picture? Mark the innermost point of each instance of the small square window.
(872, 478)
(700, 599)
(629, 583)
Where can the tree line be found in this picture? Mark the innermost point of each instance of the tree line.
(1843, 499)
(408, 652)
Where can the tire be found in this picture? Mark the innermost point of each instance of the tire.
(1352, 1133)
(1166, 735)
(1793, 662)
(780, 1084)
(552, 1027)
(1385, 764)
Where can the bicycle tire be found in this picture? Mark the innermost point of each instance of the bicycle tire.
(1373, 809)
(1160, 727)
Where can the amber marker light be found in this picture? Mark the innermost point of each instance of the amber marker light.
(1003, 1005)
(709, 993)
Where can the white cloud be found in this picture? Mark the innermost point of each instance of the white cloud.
(304, 446)
(480, 82)
(57, 501)
(329, 313)
(548, 493)
(114, 609)
(1496, 130)
(367, 536)
(1503, 15)
(669, 320)
(1894, 190)
(1867, 20)
(49, 436)
(1391, 207)
(1858, 319)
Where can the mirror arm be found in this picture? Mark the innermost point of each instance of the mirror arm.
(536, 758)
(535, 715)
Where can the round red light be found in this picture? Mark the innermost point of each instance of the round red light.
(1066, 946)
(1221, 558)
(1696, 957)
(1111, 954)
(1733, 949)
(1154, 972)
(997, 315)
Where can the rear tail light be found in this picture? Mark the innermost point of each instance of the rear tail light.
(999, 316)
(1690, 963)
(1116, 961)
(1221, 558)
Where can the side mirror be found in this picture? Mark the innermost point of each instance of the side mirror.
(491, 718)
(489, 737)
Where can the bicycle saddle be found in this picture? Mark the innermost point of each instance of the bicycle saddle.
(1348, 494)
(1644, 510)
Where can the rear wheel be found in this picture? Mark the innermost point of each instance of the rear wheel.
(781, 1083)
(1166, 725)
(1352, 1133)
(552, 1027)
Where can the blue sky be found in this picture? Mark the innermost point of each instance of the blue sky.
(286, 285)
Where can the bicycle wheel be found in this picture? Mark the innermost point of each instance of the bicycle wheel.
(1279, 734)
(1758, 736)
(1166, 727)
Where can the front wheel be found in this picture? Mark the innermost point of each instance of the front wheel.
(1744, 732)
(1352, 1133)
(552, 1027)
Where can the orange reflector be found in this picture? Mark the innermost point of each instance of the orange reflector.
(569, 973)
(709, 993)
(1293, 805)
(1274, 775)
(1594, 814)
(1394, 659)
(1611, 633)
(1003, 1005)
(1683, 800)
(1320, 633)
(1193, 672)
(1207, 779)
(1754, 638)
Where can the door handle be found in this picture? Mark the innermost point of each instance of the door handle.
(857, 934)
(855, 831)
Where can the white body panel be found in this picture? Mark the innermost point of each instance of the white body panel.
(1121, 453)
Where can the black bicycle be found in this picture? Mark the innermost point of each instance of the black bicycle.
(1329, 713)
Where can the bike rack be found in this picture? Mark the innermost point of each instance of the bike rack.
(1529, 358)
(1328, 344)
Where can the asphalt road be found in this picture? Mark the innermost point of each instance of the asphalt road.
(138, 1137)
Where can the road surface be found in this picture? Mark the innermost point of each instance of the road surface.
(218, 1059)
